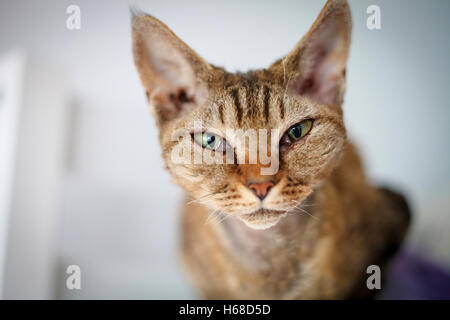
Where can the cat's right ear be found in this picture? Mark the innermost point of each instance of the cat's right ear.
(174, 76)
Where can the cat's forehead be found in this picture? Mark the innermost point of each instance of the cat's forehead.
(254, 102)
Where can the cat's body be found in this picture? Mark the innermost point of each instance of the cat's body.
(321, 252)
(307, 228)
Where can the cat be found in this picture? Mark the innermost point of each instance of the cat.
(307, 230)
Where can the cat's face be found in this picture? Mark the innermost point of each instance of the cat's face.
(250, 145)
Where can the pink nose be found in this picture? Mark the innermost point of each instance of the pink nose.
(261, 189)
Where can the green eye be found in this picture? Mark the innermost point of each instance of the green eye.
(300, 130)
(295, 133)
(209, 141)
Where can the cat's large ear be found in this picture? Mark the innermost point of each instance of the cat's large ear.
(174, 76)
(315, 68)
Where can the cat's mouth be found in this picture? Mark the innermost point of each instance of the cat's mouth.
(262, 218)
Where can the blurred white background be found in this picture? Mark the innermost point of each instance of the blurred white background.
(117, 212)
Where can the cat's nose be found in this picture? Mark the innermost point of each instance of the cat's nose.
(261, 189)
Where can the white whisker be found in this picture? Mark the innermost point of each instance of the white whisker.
(299, 207)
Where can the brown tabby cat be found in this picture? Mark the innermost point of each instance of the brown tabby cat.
(310, 229)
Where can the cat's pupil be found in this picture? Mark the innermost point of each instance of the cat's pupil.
(296, 132)
(210, 140)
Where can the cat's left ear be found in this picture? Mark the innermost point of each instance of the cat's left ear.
(315, 68)
(174, 76)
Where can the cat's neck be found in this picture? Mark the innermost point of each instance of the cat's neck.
(257, 247)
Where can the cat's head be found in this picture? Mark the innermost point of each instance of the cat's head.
(210, 120)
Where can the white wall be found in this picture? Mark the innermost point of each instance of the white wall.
(11, 84)
(120, 210)
(35, 183)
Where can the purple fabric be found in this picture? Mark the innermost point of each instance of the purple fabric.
(411, 277)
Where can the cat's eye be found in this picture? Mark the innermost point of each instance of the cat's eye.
(295, 133)
(210, 141)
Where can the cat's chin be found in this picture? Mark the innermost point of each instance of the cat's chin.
(261, 219)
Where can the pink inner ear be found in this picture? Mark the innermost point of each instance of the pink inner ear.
(321, 67)
(180, 97)
(172, 102)
(321, 77)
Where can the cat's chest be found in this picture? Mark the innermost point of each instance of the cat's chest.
(264, 263)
